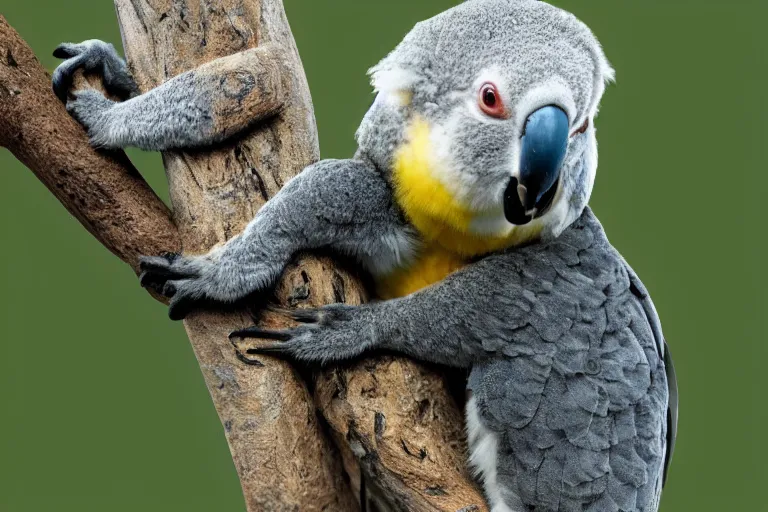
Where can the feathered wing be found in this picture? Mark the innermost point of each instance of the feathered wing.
(579, 412)
(639, 290)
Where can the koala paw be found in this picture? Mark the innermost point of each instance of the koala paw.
(92, 56)
(332, 333)
(192, 281)
(174, 276)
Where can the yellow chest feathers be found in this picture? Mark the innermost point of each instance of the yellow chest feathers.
(431, 265)
(444, 222)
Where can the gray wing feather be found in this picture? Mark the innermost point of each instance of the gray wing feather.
(672, 410)
(653, 318)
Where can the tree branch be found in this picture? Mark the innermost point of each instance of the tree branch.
(102, 190)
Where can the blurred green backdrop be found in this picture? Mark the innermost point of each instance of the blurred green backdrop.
(102, 406)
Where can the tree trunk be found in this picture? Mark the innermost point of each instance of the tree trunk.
(391, 417)
(282, 457)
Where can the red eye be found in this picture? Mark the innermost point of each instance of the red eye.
(490, 101)
(582, 129)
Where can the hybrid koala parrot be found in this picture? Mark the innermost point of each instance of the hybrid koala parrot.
(467, 203)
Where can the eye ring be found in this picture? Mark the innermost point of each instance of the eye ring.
(490, 102)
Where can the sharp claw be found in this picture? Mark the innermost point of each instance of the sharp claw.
(243, 359)
(268, 348)
(306, 316)
(162, 271)
(169, 290)
(148, 266)
(258, 332)
(63, 51)
(145, 279)
(274, 348)
(163, 267)
(179, 310)
(62, 76)
(60, 88)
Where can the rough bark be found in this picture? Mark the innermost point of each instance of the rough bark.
(282, 457)
(390, 416)
(102, 190)
(398, 418)
(394, 417)
(251, 86)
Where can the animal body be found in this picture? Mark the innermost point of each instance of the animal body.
(467, 203)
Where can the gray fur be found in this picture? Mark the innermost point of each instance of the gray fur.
(566, 353)
(177, 114)
(344, 205)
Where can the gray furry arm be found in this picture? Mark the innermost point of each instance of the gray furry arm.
(201, 107)
(507, 304)
(456, 322)
(175, 115)
(343, 205)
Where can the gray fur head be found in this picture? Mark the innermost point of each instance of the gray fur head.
(536, 55)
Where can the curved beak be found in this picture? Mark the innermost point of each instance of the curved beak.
(543, 147)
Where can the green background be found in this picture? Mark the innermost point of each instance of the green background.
(102, 406)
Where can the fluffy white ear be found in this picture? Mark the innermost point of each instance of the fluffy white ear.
(406, 67)
(392, 79)
(609, 74)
